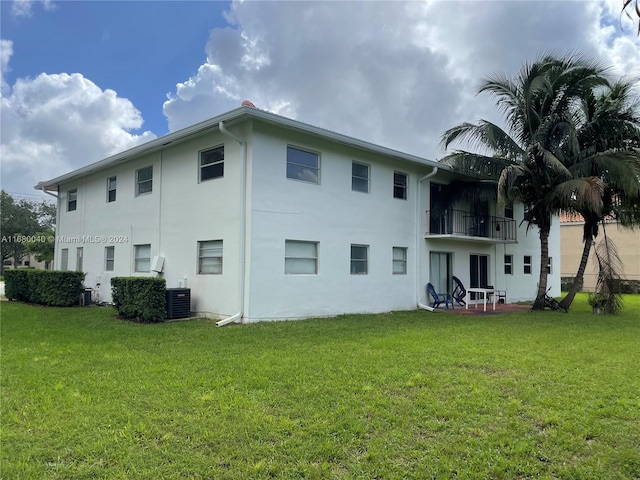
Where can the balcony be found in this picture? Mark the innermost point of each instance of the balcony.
(463, 225)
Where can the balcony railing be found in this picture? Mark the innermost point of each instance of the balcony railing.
(460, 223)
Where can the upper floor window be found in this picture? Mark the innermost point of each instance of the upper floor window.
(508, 210)
(144, 180)
(400, 185)
(359, 177)
(212, 163)
(303, 165)
(72, 200)
(111, 189)
(210, 257)
(142, 258)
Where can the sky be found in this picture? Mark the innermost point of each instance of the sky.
(83, 80)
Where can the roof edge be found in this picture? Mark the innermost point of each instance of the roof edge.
(243, 111)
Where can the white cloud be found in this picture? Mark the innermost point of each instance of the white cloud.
(6, 50)
(395, 73)
(59, 122)
(24, 8)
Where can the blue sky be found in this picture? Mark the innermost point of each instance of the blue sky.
(82, 80)
(139, 49)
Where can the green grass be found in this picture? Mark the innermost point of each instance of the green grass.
(400, 395)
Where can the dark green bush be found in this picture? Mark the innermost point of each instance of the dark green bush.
(45, 287)
(140, 298)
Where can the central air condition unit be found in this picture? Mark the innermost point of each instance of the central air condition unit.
(178, 303)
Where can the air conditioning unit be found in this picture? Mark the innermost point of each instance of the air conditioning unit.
(178, 303)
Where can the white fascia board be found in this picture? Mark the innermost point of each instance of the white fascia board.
(239, 113)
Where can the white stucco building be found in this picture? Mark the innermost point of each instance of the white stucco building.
(266, 218)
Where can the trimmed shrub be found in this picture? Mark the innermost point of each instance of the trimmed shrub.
(142, 299)
(45, 287)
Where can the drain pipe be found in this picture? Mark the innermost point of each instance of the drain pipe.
(417, 224)
(237, 318)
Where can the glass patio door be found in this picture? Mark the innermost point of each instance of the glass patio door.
(478, 272)
(440, 271)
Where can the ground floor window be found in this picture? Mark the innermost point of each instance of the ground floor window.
(527, 265)
(142, 258)
(64, 259)
(508, 264)
(359, 259)
(399, 260)
(109, 258)
(300, 257)
(210, 257)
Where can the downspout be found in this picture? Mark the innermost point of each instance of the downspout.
(417, 254)
(237, 318)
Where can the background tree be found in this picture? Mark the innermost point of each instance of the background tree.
(22, 218)
(605, 145)
(534, 161)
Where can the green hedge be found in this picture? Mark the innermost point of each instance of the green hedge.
(140, 298)
(621, 286)
(45, 287)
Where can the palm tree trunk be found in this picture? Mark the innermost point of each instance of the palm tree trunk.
(538, 304)
(579, 278)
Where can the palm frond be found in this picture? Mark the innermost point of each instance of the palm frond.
(610, 268)
(476, 165)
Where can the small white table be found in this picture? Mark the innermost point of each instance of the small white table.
(484, 292)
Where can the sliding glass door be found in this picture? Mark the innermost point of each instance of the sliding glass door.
(440, 271)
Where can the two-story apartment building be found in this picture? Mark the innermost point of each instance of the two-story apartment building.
(265, 217)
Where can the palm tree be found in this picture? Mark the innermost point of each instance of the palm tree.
(607, 138)
(535, 161)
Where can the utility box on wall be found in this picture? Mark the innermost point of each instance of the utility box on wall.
(178, 303)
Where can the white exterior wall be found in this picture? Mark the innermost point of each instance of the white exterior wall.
(180, 211)
(333, 215)
(172, 218)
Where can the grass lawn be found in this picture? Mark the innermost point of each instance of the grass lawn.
(401, 395)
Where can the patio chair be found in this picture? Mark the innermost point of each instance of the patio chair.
(439, 298)
(459, 292)
(501, 294)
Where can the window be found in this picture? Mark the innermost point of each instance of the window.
(508, 210)
(303, 165)
(400, 184)
(210, 257)
(144, 180)
(142, 259)
(399, 261)
(212, 163)
(72, 200)
(64, 259)
(359, 177)
(300, 258)
(79, 256)
(508, 264)
(527, 264)
(109, 257)
(359, 259)
(111, 189)
(549, 265)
